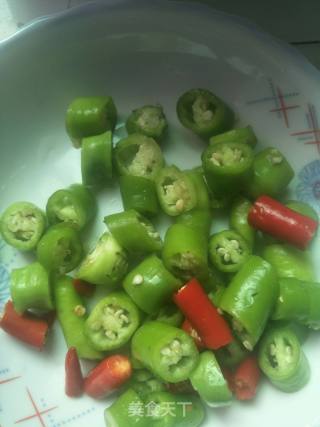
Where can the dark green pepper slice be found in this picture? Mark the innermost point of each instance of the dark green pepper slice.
(289, 261)
(127, 411)
(22, 225)
(185, 252)
(140, 194)
(60, 249)
(96, 159)
(134, 232)
(204, 113)
(216, 295)
(88, 116)
(169, 313)
(112, 322)
(208, 380)
(228, 251)
(74, 205)
(231, 355)
(138, 155)
(250, 298)
(72, 315)
(106, 264)
(30, 288)
(239, 219)
(148, 120)
(227, 166)
(144, 383)
(245, 135)
(283, 361)
(271, 174)
(168, 352)
(303, 209)
(150, 284)
(176, 191)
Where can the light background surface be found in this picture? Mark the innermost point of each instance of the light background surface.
(291, 20)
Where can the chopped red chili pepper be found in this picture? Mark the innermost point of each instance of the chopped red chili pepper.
(203, 315)
(108, 376)
(28, 328)
(246, 378)
(281, 222)
(74, 378)
(190, 330)
(83, 288)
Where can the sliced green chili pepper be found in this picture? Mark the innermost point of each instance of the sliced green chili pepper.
(301, 331)
(208, 380)
(190, 411)
(106, 264)
(239, 220)
(289, 261)
(148, 120)
(293, 300)
(112, 322)
(228, 251)
(150, 284)
(134, 232)
(299, 301)
(168, 314)
(216, 295)
(22, 225)
(283, 361)
(60, 249)
(185, 252)
(204, 113)
(249, 299)
(232, 354)
(75, 205)
(126, 411)
(176, 191)
(30, 288)
(166, 351)
(303, 209)
(198, 179)
(271, 174)
(227, 166)
(214, 280)
(72, 314)
(140, 194)
(96, 159)
(144, 383)
(199, 220)
(169, 410)
(90, 116)
(245, 135)
(199, 217)
(138, 155)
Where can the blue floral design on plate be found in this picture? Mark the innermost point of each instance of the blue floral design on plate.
(308, 187)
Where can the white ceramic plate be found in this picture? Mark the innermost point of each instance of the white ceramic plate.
(142, 52)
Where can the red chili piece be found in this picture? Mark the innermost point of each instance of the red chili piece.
(108, 376)
(83, 288)
(30, 329)
(281, 222)
(203, 315)
(74, 378)
(246, 379)
(190, 330)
